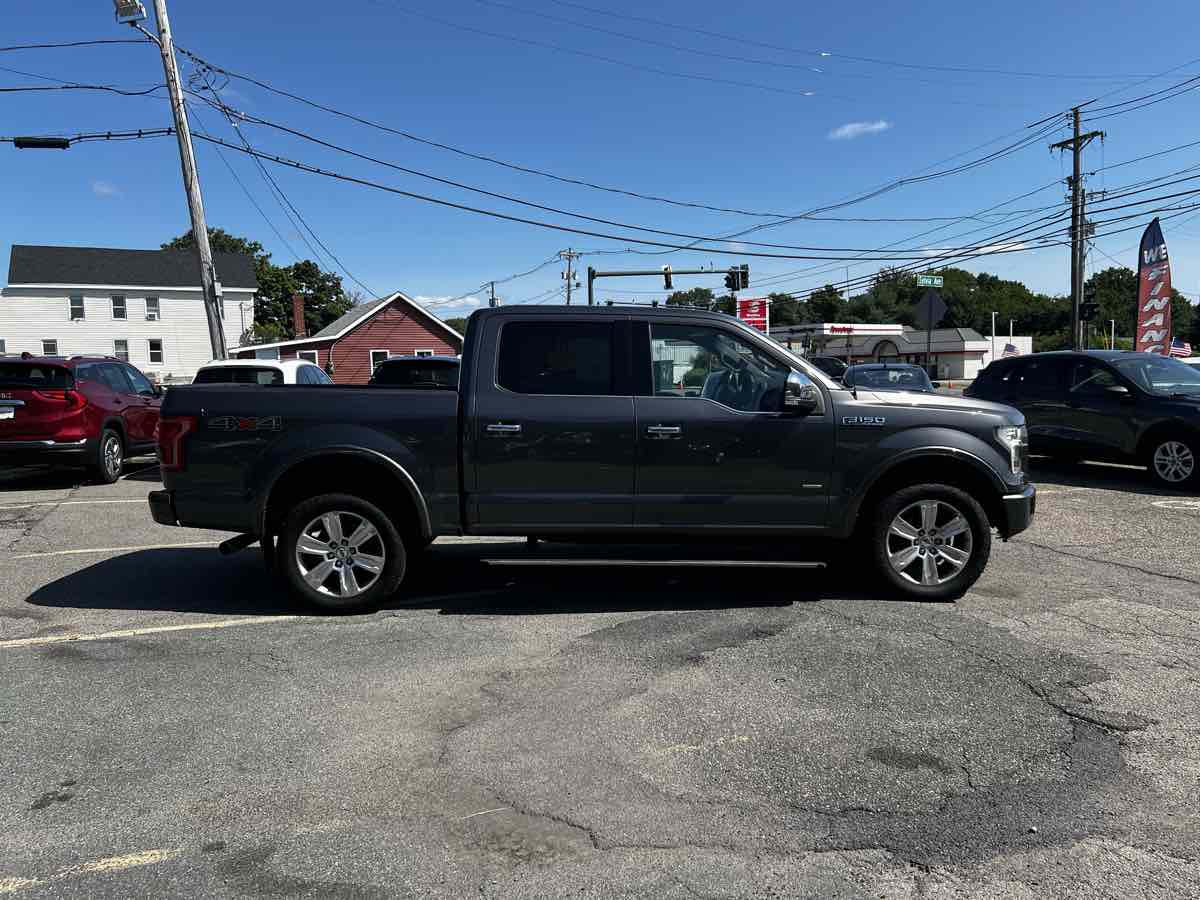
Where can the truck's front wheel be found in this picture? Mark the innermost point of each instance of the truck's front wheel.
(340, 552)
(931, 541)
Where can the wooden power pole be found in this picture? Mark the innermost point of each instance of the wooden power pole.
(1075, 144)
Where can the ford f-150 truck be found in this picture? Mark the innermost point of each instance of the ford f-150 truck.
(575, 423)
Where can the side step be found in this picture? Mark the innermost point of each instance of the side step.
(661, 563)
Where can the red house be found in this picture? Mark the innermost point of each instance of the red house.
(350, 347)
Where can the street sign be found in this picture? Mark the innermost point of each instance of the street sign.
(930, 281)
(930, 310)
(755, 312)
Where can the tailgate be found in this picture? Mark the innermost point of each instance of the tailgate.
(34, 399)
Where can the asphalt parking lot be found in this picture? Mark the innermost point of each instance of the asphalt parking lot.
(172, 725)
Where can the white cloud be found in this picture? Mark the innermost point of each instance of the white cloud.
(852, 130)
(105, 189)
(460, 307)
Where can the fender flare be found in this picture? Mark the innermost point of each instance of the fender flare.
(402, 475)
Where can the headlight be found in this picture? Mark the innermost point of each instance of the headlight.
(1016, 439)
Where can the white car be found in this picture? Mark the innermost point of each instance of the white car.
(261, 371)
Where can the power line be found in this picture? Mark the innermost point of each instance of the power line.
(105, 135)
(73, 44)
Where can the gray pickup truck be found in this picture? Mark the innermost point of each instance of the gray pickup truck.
(573, 423)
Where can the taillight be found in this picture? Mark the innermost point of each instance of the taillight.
(171, 432)
(76, 400)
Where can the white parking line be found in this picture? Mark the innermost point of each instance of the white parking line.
(139, 632)
(109, 864)
(34, 503)
(113, 550)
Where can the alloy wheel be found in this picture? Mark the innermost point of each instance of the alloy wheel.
(341, 554)
(929, 542)
(1174, 462)
(112, 457)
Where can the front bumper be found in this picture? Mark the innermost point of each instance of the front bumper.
(15, 453)
(162, 508)
(1018, 511)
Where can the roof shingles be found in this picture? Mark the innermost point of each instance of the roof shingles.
(31, 264)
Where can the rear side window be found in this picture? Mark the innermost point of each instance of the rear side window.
(411, 373)
(1037, 374)
(26, 375)
(573, 358)
(238, 375)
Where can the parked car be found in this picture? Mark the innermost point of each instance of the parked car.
(261, 371)
(557, 430)
(418, 372)
(91, 411)
(832, 366)
(1193, 361)
(888, 377)
(1105, 405)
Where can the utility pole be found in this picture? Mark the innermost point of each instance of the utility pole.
(132, 12)
(1075, 144)
(570, 256)
(492, 299)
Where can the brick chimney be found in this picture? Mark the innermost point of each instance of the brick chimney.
(298, 315)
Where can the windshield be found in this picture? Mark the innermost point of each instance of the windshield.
(1159, 374)
(35, 375)
(238, 375)
(426, 373)
(908, 378)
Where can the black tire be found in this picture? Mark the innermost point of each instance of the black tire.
(108, 459)
(949, 539)
(333, 594)
(1184, 450)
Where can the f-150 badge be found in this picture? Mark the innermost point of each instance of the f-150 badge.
(864, 420)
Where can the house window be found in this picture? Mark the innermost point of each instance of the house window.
(156, 351)
(422, 353)
(76, 307)
(152, 311)
(118, 306)
(50, 347)
(378, 356)
(310, 355)
(2, 350)
(121, 350)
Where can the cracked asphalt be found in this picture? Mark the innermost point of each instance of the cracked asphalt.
(171, 725)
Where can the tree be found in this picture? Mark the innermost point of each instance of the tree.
(699, 296)
(324, 297)
(827, 305)
(458, 323)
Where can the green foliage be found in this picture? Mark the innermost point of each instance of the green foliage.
(699, 296)
(324, 298)
(458, 323)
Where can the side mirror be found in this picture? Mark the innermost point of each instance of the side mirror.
(801, 396)
(157, 389)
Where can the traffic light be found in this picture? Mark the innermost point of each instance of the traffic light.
(732, 280)
(743, 276)
(667, 277)
(1089, 308)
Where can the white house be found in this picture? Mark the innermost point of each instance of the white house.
(145, 306)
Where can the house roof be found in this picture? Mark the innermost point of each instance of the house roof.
(357, 316)
(30, 264)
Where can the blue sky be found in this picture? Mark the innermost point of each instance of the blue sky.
(799, 130)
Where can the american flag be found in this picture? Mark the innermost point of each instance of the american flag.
(1180, 348)
(1010, 350)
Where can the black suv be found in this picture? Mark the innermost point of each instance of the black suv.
(1117, 406)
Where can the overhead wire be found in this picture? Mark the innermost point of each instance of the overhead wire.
(66, 44)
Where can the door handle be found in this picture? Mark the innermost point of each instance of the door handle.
(662, 432)
(497, 428)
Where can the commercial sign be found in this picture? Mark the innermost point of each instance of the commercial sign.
(1154, 293)
(930, 281)
(755, 312)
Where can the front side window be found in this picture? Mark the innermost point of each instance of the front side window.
(152, 310)
(714, 364)
(563, 358)
(114, 377)
(141, 384)
(156, 351)
(50, 347)
(121, 350)
(377, 356)
(1093, 378)
(118, 306)
(76, 307)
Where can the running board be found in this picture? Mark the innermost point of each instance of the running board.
(676, 563)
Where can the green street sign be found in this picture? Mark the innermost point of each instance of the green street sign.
(930, 281)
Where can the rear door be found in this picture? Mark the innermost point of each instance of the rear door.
(33, 399)
(551, 432)
(1037, 387)
(715, 447)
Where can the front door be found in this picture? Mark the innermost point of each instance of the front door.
(551, 427)
(715, 447)
(145, 404)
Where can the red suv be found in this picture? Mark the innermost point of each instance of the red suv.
(88, 411)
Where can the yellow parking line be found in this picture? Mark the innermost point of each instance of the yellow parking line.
(138, 632)
(113, 550)
(108, 864)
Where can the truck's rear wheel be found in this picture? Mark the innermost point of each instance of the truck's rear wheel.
(931, 541)
(340, 552)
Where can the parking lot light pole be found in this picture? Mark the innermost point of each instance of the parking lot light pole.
(133, 13)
